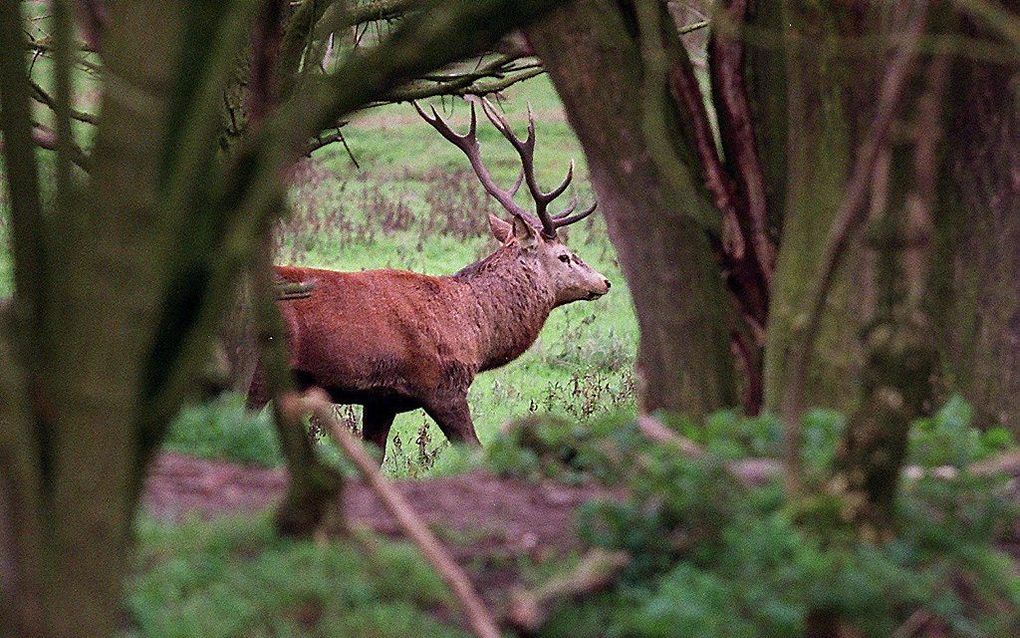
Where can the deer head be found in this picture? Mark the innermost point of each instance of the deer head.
(533, 237)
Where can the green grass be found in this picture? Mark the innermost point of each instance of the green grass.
(580, 366)
(235, 577)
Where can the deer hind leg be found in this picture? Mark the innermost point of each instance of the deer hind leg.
(454, 418)
(375, 425)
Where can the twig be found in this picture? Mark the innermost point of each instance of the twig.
(40, 95)
(694, 26)
(529, 610)
(45, 138)
(848, 220)
(478, 615)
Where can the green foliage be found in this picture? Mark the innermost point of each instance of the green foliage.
(948, 438)
(224, 429)
(711, 558)
(236, 578)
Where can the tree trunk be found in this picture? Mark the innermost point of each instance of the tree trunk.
(829, 101)
(103, 303)
(978, 282)
(592, 54)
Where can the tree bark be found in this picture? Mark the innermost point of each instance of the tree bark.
(591, 52)
(829, 100)
(977, 283)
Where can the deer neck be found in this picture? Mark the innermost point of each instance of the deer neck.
(512, 302)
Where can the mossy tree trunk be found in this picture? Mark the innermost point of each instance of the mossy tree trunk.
(593, 53)
(123, 277)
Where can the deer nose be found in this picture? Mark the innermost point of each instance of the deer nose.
(609, 284)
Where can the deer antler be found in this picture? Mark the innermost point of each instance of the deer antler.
(468, 143)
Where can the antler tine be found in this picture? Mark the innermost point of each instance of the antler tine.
(556, 192)
(526, 150)
(468, 143)
(565, 219)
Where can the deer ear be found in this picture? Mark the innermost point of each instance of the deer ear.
(501, 230)
(525, 233)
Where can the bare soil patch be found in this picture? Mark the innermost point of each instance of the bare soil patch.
(486, 521)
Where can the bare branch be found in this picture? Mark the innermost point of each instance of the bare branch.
(529, 610)
(736, 127)
(40, 95)
(478, 615)
(750, 472)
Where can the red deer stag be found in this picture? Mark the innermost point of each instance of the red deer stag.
(394, 341)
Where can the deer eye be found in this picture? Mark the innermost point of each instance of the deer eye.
(565, 259)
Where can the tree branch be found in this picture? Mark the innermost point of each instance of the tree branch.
(46, 138)
(736, 128)
(529, 610)
(478, 615)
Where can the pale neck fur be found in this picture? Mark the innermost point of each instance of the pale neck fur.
(512, 303)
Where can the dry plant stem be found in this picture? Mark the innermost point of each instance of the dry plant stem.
(479, 617)
(529, 610)
(848, 221)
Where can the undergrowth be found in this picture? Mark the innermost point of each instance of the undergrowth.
(709, 557)
(712, 558)
(235, 577)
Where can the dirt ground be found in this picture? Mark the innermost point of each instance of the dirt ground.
(478, 515)
(487, 522)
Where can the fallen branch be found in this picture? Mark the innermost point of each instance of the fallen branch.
(528, 610)
(750, 472)
(477, 614)
(757, 471)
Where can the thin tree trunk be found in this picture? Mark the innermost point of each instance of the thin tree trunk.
(592, 55)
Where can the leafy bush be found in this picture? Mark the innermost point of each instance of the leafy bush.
(223, 428)
(712, 558)
(948, 438)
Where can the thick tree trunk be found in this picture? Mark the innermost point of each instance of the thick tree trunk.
(592, 54)
(824, 124)
(978, 281)
(103, 302)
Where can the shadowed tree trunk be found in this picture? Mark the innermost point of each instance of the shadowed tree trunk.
(593, 56)
(977, 282)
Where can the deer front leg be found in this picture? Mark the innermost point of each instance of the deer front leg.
(454, 418)
(375, 425)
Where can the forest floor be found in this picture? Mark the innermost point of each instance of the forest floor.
(487, 522)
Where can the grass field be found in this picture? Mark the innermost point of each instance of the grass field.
(414, 204)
